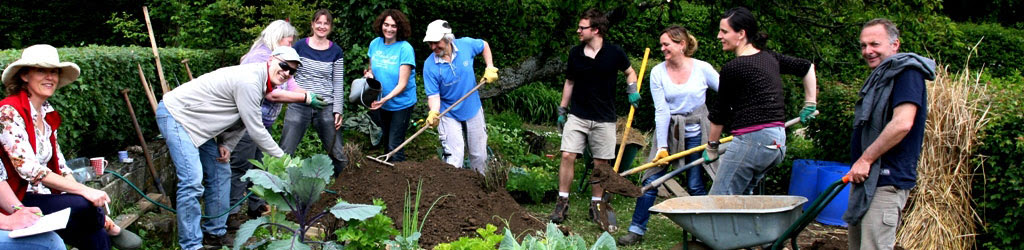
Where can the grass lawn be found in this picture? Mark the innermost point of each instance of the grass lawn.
(662, 233)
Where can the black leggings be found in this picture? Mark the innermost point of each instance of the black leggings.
(85, 227)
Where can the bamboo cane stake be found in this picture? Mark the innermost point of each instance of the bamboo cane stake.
(147, 89)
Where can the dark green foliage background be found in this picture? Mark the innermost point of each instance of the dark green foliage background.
(214, 33)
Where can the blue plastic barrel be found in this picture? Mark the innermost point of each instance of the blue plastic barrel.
(833, 212)
(804, 180)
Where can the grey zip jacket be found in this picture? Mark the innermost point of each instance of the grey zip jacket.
(213, 104)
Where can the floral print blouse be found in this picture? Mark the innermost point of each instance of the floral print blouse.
(30, 166)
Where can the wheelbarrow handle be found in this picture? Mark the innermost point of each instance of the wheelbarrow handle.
(812, 211)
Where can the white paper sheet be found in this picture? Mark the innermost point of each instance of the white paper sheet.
(49, 222)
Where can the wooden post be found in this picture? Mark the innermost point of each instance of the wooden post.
(156, 54)
(187, 70)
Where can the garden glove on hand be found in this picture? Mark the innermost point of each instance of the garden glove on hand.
(562, 112)
(807, 114)
(662, 153)
(710, 154)
(490, 74)
(634, 95)
(432, 118)
(314, 100)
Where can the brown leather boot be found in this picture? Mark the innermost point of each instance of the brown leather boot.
(561, 212)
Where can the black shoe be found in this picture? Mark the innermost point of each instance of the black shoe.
(599, 213)
(256, 213)
(561, 212)
(235, 221)
(630, 238)
(216, 241)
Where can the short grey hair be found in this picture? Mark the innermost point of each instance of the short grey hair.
(273, 33)
(448, 37)
(890, 28)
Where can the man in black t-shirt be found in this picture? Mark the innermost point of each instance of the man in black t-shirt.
(587, 111)
(887, 136)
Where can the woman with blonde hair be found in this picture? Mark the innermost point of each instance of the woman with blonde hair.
(678, 89)
(278, 33)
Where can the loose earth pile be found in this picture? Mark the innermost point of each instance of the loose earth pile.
(467, 207)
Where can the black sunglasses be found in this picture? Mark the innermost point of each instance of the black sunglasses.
(285, 66)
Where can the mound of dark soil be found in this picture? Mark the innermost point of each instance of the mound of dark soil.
(467, 207)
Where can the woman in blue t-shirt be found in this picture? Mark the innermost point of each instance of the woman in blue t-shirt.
(393, 64)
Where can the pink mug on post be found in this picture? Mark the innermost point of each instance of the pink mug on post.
(98, 164)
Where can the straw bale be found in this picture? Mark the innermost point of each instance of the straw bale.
(939, 213)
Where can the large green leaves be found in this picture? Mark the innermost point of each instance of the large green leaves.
(347, 211)
(290, 243)
(246, 230)
(266, 180)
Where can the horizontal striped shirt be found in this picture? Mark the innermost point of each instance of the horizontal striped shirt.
(322, 72)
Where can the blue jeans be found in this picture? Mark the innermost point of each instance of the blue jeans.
(245, 150)
(298, 118)
(640, 212)
(196, 168)
(748, 159)
(394, 124)
(43, 241)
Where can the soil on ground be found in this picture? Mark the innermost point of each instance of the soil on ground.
(466, 207)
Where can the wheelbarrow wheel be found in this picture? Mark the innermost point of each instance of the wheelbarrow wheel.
(691, 246)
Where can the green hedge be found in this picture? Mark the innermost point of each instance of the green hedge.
(998, 188)
(95, 118)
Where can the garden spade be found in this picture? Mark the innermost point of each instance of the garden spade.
(670, 158)
(383, 159)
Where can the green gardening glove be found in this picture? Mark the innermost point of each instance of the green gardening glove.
(562, 112)
(315, 101)
(807, 113)
(634, 95)
(710, 154)
(634, 99)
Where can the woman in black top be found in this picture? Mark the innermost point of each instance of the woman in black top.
(751, 105)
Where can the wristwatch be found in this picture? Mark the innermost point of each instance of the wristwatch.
(713, 144)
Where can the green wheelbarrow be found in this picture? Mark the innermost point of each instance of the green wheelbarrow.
(742, 221)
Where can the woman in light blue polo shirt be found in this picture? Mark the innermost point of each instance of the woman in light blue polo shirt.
(393, 64)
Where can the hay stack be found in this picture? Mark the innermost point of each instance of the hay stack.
(940, 214)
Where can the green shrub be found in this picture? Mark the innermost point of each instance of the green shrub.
(831, 130)
(535, 103)
(95, 117)
(997, 192)
(1000, 50)
(367, 234)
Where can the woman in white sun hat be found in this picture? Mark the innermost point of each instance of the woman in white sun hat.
(34, 166)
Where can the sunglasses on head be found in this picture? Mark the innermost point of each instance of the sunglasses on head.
(285, 66)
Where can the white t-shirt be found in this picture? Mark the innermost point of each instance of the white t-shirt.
(672, 99)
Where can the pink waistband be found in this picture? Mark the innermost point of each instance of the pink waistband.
(757, 127)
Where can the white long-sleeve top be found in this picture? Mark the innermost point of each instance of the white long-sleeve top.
(679, 96)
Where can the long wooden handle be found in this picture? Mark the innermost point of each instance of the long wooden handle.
(425, 126)
(156, 54)
(147, 89)
(629, 119)
(676, 156)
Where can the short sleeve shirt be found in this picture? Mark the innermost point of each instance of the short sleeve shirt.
(899, 164)
(453, 80)
(386, 61)
(593, 90)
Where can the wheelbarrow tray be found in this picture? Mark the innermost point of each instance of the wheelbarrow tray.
(733, 221)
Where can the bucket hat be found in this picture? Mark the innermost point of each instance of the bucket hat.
(43, 56)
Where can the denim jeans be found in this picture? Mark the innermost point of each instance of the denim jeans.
(240, 156)
(747, 159)
(43, 241)
(640, 212)
(394, 124)
(298, 118)
(85, 226)
(197, 170)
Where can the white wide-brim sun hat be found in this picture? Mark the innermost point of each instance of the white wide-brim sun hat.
(42, 56)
